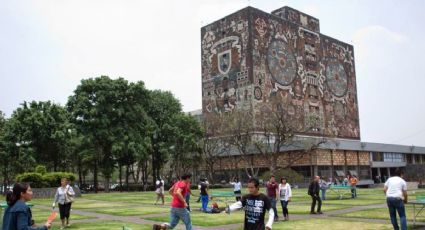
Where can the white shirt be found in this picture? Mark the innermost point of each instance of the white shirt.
(285, 192)
(395, 186)
(237, 186)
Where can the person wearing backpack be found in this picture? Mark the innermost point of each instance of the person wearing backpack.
(159, 190)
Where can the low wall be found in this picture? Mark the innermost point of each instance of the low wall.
(50, 192)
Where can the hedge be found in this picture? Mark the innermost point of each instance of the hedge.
(37, 180)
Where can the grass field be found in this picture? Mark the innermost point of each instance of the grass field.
(136, 211)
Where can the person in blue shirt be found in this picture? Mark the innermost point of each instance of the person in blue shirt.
(17, 215)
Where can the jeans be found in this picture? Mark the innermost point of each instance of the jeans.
(284, 208)
(273, 203)
(204, 200)
(397, 205)
(238, 195)
(180, 213)
(315, 198)
(353, 192)
(187, 198)
(323, 194)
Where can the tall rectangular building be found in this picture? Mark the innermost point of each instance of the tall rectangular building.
(251, 56)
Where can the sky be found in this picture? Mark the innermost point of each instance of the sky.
(48, 46)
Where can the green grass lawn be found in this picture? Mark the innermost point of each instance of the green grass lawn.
(329, 225)
(205, 219)
(102, 225)
(131, 211)
(140, 204)
(40, 215)
(382, 213)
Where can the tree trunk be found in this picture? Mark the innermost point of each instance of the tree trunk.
(95, 176)
(120, 175)
(107, 181)
(127, 175)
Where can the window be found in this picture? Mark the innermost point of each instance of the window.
(393, 157)
(417, 158)
(409, 158)
(377, 156)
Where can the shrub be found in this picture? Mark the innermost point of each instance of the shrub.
(291, 176)
(34, 179)
(41, 169)
(37, 180)
(53, 179)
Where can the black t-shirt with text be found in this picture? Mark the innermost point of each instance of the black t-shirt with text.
(255, 209)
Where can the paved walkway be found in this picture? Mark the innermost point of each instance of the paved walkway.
(96, 217)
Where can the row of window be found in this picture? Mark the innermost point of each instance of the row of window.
(398, 157)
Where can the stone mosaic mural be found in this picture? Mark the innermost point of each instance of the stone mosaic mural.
(251, 56)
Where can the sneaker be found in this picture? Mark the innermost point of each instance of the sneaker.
(312, 213)
(319, 212)
(156, 227)
(68, 224)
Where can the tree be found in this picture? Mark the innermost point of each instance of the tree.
(238, 129)
(210, 143)
(42, 126)
(185, 152)
(277, 131)
(111, 115)
(162, 107)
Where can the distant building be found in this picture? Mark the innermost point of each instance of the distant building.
(251, 56)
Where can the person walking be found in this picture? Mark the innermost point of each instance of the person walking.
(188, 194)
(323, 187)
(64, 197)
(237, 186)
(395, 189)
(272, 191)
(159, 190)
(204, 195)
(18, 215)
(178, 205)
(255, 205)
(353, 183)
(313, 191)
(285, 195)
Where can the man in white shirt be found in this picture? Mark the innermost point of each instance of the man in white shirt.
(396, 191)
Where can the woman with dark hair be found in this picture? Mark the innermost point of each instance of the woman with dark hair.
(62, 197)
(18, 215)
(285, 194)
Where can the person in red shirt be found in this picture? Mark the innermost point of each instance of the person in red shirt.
(272, 191)
(178, 205)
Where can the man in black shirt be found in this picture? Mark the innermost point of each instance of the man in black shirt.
(255, 205)
(313, 191)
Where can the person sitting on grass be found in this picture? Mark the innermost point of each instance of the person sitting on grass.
(255, 205)
(214, 208)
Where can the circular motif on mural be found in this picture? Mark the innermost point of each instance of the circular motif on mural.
(257, 93)
(281, 62)
(336, 78)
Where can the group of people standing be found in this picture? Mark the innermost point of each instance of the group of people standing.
(18, 214)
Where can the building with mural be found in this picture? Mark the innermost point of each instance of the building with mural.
(251, 57)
